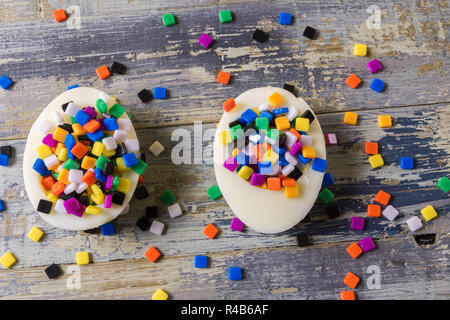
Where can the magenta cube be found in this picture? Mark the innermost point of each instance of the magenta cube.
(108, 201)
(257, 179)
(72, 205)
(367, 244)
(205, 40)
(230, 163)
(79, 213)
(330, 139)
(374, 66)
(236, 224)
(296, 147)
(109, 182)
(357, 223)
(91, 112)
(102, 124)
(49, 141)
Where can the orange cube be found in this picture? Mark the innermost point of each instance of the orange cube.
(140, 180)
(91, 126)
(274, 183)
(103, 72)
(47, 182)
(229, 105)
(288, 182)
(347, 295)
(60, 134)
(210, 231)
(63, 177)
(89, 178)
(79, 150)
(354, 250)
(295, 133)
(88, 163)
(58, 188)
(382, 197)
(371, 147)
(384, 121)
(353, 81)
(60, 15)
(78, 129)
(152, 254)
(275, 99)
(223, 77)
(373, 210)
(282, 123)
(291, 191)
(351, 280)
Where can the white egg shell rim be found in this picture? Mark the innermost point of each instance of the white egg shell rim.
(82, 96)
(260, 209)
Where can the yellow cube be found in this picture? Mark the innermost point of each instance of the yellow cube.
(121, 165)
(92, 209)
(302, 124)
(124, 185)
(360, 50)
(82, 258)
(88, 163)
(235, 152)
(351, 118)
(78, 129)
(51, 197)
(59, 146)
(44, 151)
(275, 99)
(60, 134)
(384, 121)
(7, 260)
(282, 123)
(428, 213)
(109, 153)
(291, 191)
(225, 137)
(160, 295)
(35, 234)
(98, 148)
(308, 152)
(256, 110)
(271, 156)
(64, 176)
(245, 172)
(376, 161)
(63, 155)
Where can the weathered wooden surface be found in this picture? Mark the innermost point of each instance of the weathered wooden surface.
(44, 58)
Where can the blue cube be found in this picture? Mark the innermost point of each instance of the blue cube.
(111, 124)
(1, 206)
(82, 117)
(282, 160)
(248, 116)
(95, 136)
(265, 167)
(319, 165)
(72, 87)
(201, 261)
(242, 158)
(107, 229)
(69, 142)
(285, 18)
(5, 82)
(4, 160)
(377, 85)
(234, 273)
(266, 114)
(279, 150)
(327, 180)
(99, 175)
(406, 163)
(280, 111)
(159, 93)
(302, 159)
(130, 160)
(40, 167)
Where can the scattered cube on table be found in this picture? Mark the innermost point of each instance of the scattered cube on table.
(354, 250)
(160, 295)
(390, 213)
(234, 273)
(326, 195)
(214, 192)
(175, 210)
(373, 210)
(159, 93)
(118, 68)
(152, 254)
(414, 223)
(374, 66)
(103, 72)
(377, 85)
(82, 257)
(351, 118)
(384, 121)
(357, 223)
(444, 184)
(367, 244)
(333, 211)
(360, 49)
(5, 82)
(351, 280)
(223, 77)
(156, 148)
(331, 139)
(376, 161)
(327, 180)
(348, 295)
(167, 197)
(59, 15)
(107, 229)
(201, 262)
(309, 33)
(35, 234)
(7, 260)
(205, 40)
(260, 35)
(285, 18)
(53, 271)
(168, 19)
(382, 197)
(407, 163)
(225, 16)
(371, 147)
(210, 231)
(236, 224)
(157, 227)
(145, 95)
(428, 213)
(353, 81)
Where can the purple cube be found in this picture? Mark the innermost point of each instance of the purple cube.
(236, 224)
(49, 141)
(230, 163)
(257, 179)
(296, 147)
(108, 201)
(79, 213)
(357, 223)
(102, 124)
(330, 139)
(91, 112)
(205, 40)
(72, 205)
(374, 66)
(367, 244)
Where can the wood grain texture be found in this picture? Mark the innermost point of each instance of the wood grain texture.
(44, 57)
(316, 272)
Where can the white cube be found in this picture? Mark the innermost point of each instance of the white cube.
(286, 170)
(51, 161)
(414, 223)
(59, 206)
(175, 210)
(71, 187)
(132, 145)
(157, 227)
(292, 113)
(109, 143)
(81, 187)
(290, 139)
(75, 175)
(72, 109)
(119, 135)
(44, 126)
(306, 140)
(156, 148)
(57, 117)
(290, 158)
(266, 107)
(124, 124)
(390, 212)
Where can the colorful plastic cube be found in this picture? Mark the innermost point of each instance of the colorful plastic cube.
(35, 234)
(414, 223)
(360, 50)
(354, 250)
(373, 210)
(374, 66)
(236, 224)
(5, 82)
(160, 295)
(407, 163)
(351, 280)
(376, 161)
(168, 19)
(285, 18)
(7, 260)
(377, 85)
(353, 81)
(351, 118)
(201, 262)
(428, 213)
(357, 223)
(82, 258)
(371, 147)
(331, 139)
(384, 121)
(390, 213)
(234, 273)
(159, 93)
(367, 244)
(205, 40)
(444, 184)
(214, 192)
(225, 16)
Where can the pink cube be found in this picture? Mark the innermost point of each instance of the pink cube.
(108, 201)
(367, 244)
(72, 205)
(330, 139)
(205, 40)
(257, 179)
(357, 223)
(374, 66)
(236, 224)
(49, 141)
(230, 163)
(109, 182)
(296, 147)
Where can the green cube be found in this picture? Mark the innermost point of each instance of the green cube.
(326, 195)
(115, 182)
(168, 19)
(214, 192)
(225, 16)
(72, 119)
(444, 184)
(168, 197)
(236, 132)
(55, 174)
(101, 106)
(101, 161)
(262, 123)
(71, 164)
(116, 110)
(140, 167)
(273, 134)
